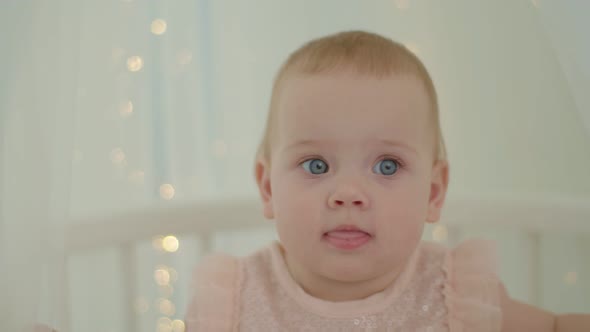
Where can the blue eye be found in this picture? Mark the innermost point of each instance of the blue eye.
(386, 167)
(315, 166)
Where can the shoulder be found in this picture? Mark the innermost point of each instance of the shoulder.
(216, 287)
(213, 301)
(472, 287)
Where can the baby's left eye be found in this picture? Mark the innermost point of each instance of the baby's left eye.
(386, 167)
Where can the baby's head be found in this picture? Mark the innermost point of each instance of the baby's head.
(352, 163)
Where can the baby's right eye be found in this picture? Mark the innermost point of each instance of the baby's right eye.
(315, 166)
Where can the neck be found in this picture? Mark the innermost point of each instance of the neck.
(334, 290)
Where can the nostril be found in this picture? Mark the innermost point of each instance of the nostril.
(339, 202)
(358, 203)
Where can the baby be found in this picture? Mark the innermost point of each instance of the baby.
(351, 166)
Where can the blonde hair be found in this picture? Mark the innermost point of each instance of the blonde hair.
(363, 52)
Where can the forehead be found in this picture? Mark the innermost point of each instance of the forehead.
(349, 108)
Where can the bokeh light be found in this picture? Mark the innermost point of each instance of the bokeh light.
(170, 243)
(158, 26)
(162, 277)
(166, 307)
(178, 325)
(134, 63)
(167, 191)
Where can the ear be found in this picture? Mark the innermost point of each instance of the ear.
(263, 181)
(438, 190)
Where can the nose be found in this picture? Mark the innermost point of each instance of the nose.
(348, 196)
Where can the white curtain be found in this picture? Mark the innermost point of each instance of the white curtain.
(115, 106)
(37, 125)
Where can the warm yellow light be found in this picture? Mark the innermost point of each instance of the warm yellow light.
(126, 109)
(220, 148)
(440, 233)
(134, 63)
(167, 191)
(167, 307)
(158, 26)
(162, 277)
(402, 4)
(118, 156)
(164, 324)
(141, 305)
(164, 328)
(570, 278)
(170, 243)
(178, 325)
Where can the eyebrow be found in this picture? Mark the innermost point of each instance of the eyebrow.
(310, 142)
(400, 145)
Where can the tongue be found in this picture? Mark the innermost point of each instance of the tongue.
(346, 235)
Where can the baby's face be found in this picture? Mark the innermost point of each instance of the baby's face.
(352, 169)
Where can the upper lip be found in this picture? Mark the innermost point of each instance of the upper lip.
(348, 228)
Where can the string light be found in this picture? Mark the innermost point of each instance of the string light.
(178, 325)
(167, 191)
(440, 233)
(134, 63)
(167, 307)
(170, 243)
(158, 27)
(164, 324)
(162, 277)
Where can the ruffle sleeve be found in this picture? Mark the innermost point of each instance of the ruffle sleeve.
(214, 304)
(472, 287)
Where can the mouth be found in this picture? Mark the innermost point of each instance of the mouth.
(347, 237)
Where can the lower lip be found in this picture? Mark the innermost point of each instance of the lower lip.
(352, 242)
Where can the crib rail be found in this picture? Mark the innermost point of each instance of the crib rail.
(203, 219)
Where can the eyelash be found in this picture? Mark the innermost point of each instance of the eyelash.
(398, 161)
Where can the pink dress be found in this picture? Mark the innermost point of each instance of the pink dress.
(440, 289)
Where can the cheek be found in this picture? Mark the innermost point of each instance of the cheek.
(405, 208)
(294, 203)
